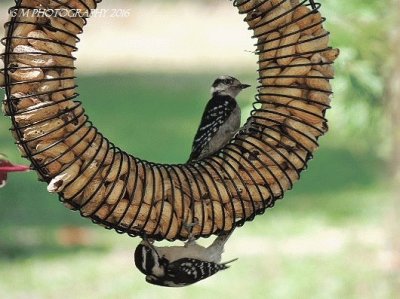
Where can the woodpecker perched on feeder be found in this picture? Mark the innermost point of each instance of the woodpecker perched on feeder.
(221, 118)
(180, 266)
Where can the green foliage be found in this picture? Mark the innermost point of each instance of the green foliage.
(361, 30)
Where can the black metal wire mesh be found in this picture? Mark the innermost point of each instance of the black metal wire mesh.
(133, 196)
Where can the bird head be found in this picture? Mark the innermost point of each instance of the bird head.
(148, 261)
(227, 85)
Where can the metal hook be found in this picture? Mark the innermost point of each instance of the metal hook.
(313, 4)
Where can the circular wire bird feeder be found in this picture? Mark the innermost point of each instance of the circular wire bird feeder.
(130, 195)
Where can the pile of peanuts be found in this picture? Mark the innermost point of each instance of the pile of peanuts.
(170, 201)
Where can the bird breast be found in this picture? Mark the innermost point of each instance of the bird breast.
(226, 132)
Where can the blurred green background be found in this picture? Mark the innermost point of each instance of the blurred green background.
(335, 235)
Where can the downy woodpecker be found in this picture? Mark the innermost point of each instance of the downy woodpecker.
(179, 266)
(221, 118)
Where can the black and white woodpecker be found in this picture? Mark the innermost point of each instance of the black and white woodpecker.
(179, 266)
(220, 120)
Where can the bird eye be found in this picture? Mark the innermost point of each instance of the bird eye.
(228, 81)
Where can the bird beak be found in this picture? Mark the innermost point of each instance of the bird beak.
(244, 86)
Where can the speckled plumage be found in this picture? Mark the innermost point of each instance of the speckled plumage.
(220, 120)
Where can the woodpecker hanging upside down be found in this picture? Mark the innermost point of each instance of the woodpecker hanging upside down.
(179, 266)
(221, 118)
(6, 167)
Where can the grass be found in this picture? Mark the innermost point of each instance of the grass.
(326, 239)
(294, 252)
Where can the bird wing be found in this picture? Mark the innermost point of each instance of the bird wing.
(215, 114)
(192, 270)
